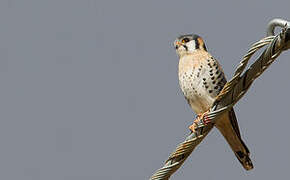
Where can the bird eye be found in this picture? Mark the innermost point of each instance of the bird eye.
(185, 40)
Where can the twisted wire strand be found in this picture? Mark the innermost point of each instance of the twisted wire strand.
(230, 94)
(242, 65)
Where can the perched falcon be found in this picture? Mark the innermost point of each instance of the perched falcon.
(201, 78)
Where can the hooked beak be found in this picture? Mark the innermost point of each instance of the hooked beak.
(177, 44)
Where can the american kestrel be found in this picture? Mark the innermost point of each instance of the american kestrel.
(201, 78)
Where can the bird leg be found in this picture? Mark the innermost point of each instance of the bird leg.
(200, 117)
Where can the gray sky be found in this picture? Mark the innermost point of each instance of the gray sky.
(89, 89)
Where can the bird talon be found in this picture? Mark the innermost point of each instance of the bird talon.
(203, 117)
(192, 128)
(200, 118)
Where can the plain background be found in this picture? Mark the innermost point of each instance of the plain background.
(89, 89)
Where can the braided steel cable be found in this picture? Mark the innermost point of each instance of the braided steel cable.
(231, 93)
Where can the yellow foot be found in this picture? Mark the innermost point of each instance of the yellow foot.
(200, 117)
(194, 124)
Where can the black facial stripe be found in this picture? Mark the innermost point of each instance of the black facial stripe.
(194, 37)
(196, 44)
(186, 48)
(204, 47)
(287, 38)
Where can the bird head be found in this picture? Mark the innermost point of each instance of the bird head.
(188, 43)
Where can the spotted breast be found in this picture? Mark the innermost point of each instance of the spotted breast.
(201, 79)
